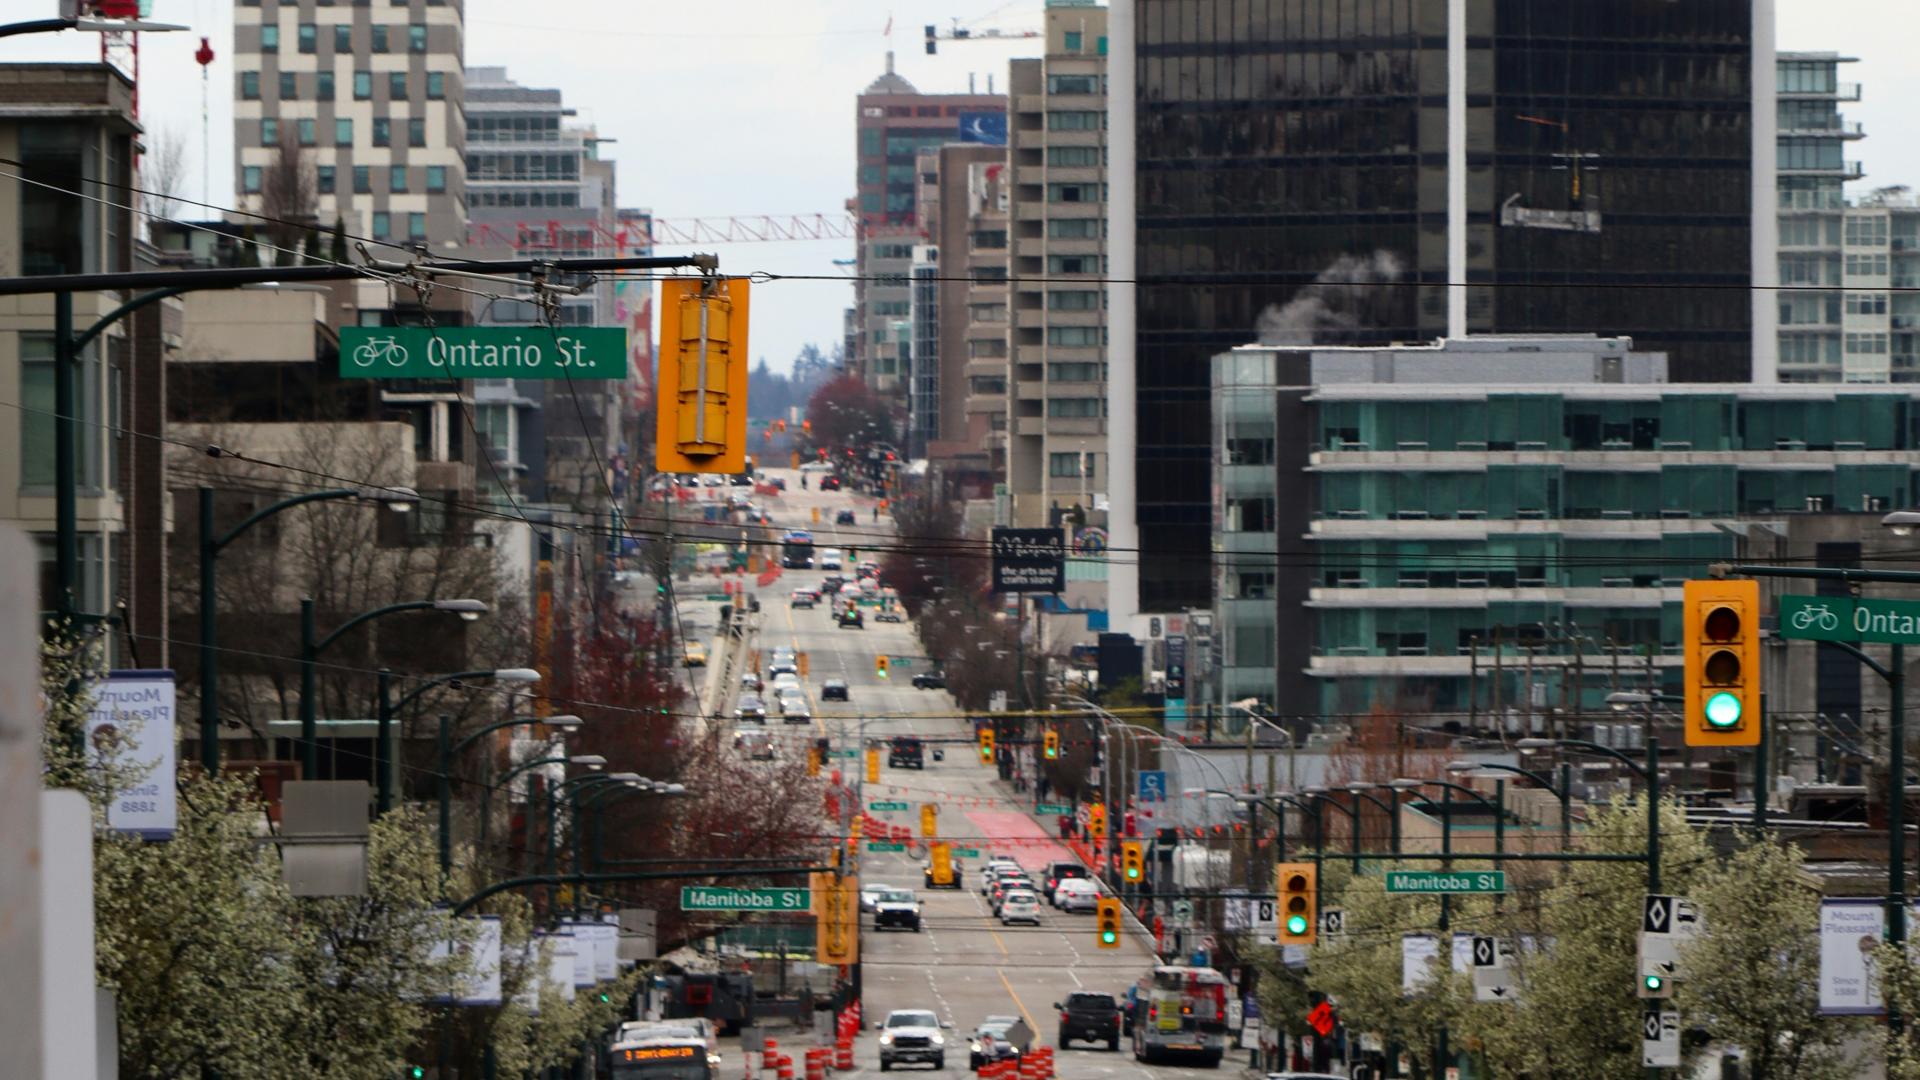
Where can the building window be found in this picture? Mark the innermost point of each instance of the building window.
(1061, 120)
(269, 38)
(1074, 300)
(1866, 230)
(307, 135)
(987, 349)
(1866, 344)
(1077, 372)
(343, 131)
(382, 131)
(416, 226)
(289, 86)
(1070, 465)
(249, 86)
(1867, 303)
(323, 86)
(417, 131)
(1072, 264)
(362, 180)
(436, 86)
(1075, 335)
(323, 178)
(379, 39)
(1071, 407)
(382, 224)
(1867, 265)
(397, 178)
(269, 132)
(250, 179)
(436, 179)
(396, 86)
(1073, 84)
(362, 85)
(309, 38)
(416, 39)
(1072, 42)
(36, 418)
(1074, 156)
(343, 39)
(989, 239)
(1073, 193)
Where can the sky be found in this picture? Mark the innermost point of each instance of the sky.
(745, 107)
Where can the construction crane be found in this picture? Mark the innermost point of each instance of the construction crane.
(961, 33)
(588, 236)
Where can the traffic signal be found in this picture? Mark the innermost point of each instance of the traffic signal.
(1655, 986)
(1097, 821)
(986, 745)
(1050, 743)
(932, 47)
(813, 761)
(1298, 909)
(929, 820)
(1721, 628)
(880, 664)
(1132, 861)
(836, 919)
(1106, 917)
(942, 865)
(700, 424)
(873, 764)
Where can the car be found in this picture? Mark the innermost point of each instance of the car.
(829, 483)
(1005, 887)
(1020, 905)
(870, 894)
(816, 466)
(1089, 1016)
(757, 745)
(750, 681)
(740, 480)
(750, 707)
(845, 517)
(829, 559)
(831, 583)
(786, 680)
(850, 619)
(930, 680)
(1056, 872)
(989, 1043)
(802, 598)
(912, 1035)
(868, 569)
(711, 480)
(889, 613)
(778, 667)
(926, 875)
(904, 752)
(695, 654)
(795, 711)
(896, 907)
(1077, 894)
(833, 690)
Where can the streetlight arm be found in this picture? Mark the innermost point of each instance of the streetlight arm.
(1385, 807)
(1607, 751)
(1518, 771)
(1481, 799)
(413, 695)
(507, 778)
(368, 616)
(284, 504)
(489, 729)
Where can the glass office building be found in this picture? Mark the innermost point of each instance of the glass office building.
(1292, 186)
(1539, 500)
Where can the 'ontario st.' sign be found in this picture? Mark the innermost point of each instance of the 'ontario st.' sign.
(483, 352)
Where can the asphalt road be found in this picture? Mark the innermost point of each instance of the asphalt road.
(963, 965)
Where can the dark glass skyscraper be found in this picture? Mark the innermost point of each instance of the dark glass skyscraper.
(1293, 185)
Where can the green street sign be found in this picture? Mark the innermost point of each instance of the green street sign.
(483, 352)
(882, 845)
(880, 807)
(1052, 808)
(843, 753)
(1446, 881)
(721, 898)
(1842, 618)
(967, 852)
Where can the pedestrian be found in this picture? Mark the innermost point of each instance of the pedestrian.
(803, 481)
(876, 512)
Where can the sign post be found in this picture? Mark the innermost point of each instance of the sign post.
(482, 352)
(1660, 1039)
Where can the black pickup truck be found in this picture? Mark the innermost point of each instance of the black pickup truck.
(1091, 1016)
(905, 752)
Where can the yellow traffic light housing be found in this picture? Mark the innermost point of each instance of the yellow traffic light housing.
(1132, 861)
(873, 764)
(929, 820)
(1097, 820)
(1721, 631)
(1050, 743)
(940, 869)
(1106, 917)
(881, 663)
(1298, 909)
(986, 745)
(813, 761)
(700, 419)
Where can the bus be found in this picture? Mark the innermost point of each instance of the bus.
(796, 550)
(660, 1057)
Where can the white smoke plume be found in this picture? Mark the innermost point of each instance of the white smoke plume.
(1344, 296)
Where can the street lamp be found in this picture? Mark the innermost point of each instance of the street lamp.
(1902, 522)
(397, 499)
(310, 650)
(1564, 792)
(449, 750)
(387, 709)
(1391, 809)
(608, 794)
(88, 22)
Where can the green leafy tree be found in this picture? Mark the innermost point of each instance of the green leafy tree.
(1897, 974)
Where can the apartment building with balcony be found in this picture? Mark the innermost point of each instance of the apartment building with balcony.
(1826, 334)
(1056, 369)
(957, 403)
(1502, 525)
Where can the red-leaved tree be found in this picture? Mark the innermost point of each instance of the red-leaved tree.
(846, 413)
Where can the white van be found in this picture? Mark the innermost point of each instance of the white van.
(830, 559)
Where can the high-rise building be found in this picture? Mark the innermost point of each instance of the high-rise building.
(894, 122)
(1056, 371)
(1365, 172)
(957, 402)
(367, 101)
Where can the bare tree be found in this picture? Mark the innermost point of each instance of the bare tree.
(163, 175)
(288, 201)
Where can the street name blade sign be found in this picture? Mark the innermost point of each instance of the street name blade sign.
(1660, 1039)
(720, 898)
(1841, 618)
(483, 352)
(1446, 881)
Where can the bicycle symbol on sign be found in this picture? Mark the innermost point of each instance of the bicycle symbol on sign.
(1815, 615)
(370, 352)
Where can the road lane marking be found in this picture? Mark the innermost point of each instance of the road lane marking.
(1021, 1005)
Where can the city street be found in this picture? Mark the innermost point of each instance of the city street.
(963, 965)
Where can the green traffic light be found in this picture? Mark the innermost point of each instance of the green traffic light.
(1296, 925)
(416, 1072)
(1133, 873)
(1654, 983)
(1108, 937)
(1723, 710)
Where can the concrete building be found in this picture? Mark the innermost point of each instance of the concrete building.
(1056, 371)
(71, 128)
(1500, 526)
(369, 100)
(894, 122)
(957, 397)
(1813, 206)
(1407, 171)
